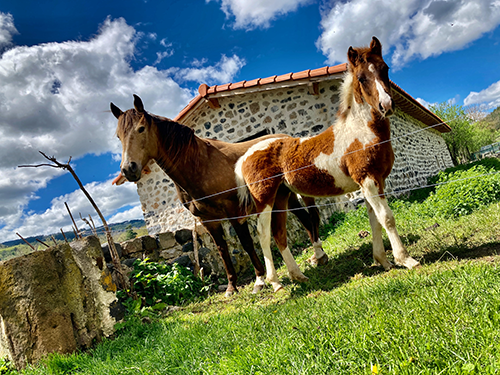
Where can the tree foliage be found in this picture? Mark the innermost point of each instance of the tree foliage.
(467, 136)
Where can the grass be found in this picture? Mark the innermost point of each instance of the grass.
(350, 318)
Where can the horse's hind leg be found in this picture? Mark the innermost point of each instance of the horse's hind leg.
(247, 243)
(385, 216)
(278, 224)
(378, 244)
(310, 220)
(217, 232)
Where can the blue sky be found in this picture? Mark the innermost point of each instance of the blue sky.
(62, 62)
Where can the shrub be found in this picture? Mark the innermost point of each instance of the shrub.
(464, 191)
(159, 285)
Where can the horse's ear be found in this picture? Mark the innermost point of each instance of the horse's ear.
(376, 46)
(353, 56)
(139, 107)
(117, 112)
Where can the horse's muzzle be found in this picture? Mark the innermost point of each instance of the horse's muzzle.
(132, 172)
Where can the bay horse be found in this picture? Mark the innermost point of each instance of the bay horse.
(203, 173)
(355, 152)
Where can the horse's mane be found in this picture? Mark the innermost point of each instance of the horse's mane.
(177, 142)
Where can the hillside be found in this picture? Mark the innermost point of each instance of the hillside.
(10, 249)
(493, 119)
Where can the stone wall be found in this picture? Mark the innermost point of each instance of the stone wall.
(292, 111)
(178, 247)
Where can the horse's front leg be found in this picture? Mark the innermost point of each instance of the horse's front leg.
(264, 230)
(385, 216)
(217, 232)
(379, 254)
(247, 243)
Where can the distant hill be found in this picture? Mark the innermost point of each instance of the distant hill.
(115, 228)
(493, 119)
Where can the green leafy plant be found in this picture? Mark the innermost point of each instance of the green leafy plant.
(464, 191)
(159, 285)
(6, 368)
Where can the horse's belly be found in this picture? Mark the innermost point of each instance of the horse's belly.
(315, 182)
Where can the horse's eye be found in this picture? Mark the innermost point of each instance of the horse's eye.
(362, 79)
(141, 129)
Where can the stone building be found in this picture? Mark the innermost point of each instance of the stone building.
(300, 104)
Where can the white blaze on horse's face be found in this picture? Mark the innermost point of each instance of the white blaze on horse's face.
(372, 73)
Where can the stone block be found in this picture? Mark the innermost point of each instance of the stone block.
(183, 235)
(106, 253)
(54, 301)
(166, 240)
(131, 247)
(172, 253)
(149, 243)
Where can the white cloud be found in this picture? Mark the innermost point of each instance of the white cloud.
(222, 72)
(489, 97)
(108, 198)
(250, 14)
(55, 98)
(132, 214)
(7, 30)
(414, 28)
(425, 103)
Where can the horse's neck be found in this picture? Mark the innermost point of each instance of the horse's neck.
(183, 166)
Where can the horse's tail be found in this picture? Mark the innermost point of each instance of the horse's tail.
(244, 196)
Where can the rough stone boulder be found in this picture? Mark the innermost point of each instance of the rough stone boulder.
(55, 300)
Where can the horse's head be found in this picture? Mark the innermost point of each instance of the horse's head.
(138, 138)
(371, 77)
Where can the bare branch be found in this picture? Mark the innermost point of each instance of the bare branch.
(112, 248)
(43, 243)
(73, 220)
(30, 245)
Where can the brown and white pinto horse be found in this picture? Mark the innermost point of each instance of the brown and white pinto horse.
(355, 152)
(201, 169)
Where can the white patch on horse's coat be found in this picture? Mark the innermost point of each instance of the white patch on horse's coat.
(243, 193)
(260, 281)
(345, 132)
(371, 68)
(383, 97)
(318, 249)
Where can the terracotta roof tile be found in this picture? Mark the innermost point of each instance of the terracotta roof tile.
(283, 77)
(253, 82)
(337, 68)
(225, 87)
(203, 89)
(319, 72)
(301, 75)
(264, 81)
(238, 85)
(212, 89)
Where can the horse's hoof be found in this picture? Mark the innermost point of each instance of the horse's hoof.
(230, 291)
(318, 262)
(257, 288)
(409, 263)
(301, 278)
(277, 286)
